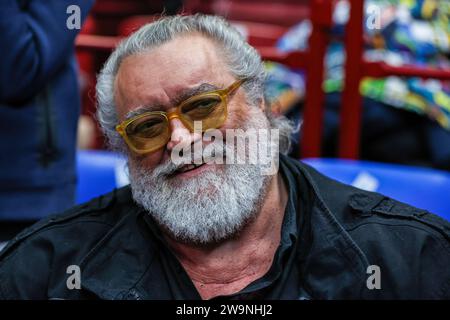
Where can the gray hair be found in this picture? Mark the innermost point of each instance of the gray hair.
(243, 61)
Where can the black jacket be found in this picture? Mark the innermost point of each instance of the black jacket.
(348, 230)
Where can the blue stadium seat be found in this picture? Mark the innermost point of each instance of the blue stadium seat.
(98, 173)
(421, 187)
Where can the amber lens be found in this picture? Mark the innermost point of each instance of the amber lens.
(209, 109)
(148, 133)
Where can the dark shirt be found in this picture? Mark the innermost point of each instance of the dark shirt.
(332, 234)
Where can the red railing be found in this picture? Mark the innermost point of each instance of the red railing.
(356, 68)
(88, 42)
(321, 21)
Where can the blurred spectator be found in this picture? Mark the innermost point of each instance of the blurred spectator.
(39, 105)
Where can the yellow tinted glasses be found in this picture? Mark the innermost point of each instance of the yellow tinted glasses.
(150, 131)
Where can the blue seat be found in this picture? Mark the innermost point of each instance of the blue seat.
(421, 187)
(99, 172)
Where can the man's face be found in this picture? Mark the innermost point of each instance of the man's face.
(213, 201)
(170, 74)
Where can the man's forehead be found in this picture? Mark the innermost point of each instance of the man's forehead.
(156, 76)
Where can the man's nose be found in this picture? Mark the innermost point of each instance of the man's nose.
(181, 134)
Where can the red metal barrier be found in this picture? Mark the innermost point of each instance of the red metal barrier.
(381, 69)
(351, 99)
(321, 20)
(355, 69)
(293, 59)
(88, 42)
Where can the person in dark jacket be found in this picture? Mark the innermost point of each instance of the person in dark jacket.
(201, 229)
(39, 106)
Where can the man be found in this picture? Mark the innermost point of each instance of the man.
(203, 229)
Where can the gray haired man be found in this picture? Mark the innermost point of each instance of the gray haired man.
(202, 229)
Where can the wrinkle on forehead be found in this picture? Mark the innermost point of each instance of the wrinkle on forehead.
(156, 76)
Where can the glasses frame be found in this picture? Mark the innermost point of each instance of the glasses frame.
(177, 114)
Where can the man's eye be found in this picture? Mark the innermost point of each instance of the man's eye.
(201, 107)
(146, 129)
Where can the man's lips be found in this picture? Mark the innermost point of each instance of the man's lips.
(188, 167)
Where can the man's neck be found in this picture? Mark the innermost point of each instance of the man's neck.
(233, 264)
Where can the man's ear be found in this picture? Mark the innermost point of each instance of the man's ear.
(262, 105)
(269, 108)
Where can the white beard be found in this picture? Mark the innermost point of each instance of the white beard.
(209, 208)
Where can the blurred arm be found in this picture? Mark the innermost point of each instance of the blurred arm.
(34, 44)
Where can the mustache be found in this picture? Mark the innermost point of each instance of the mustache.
(169, 168)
